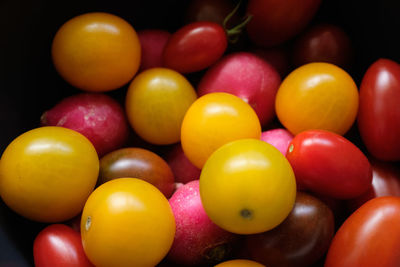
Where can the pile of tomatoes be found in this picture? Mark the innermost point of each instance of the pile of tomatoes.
(199, 103)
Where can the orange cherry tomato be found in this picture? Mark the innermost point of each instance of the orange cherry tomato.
(47, 173)
(96, 52)
(239, 263)
(317, 96)
(156, 102)
(127, 222)
(214, 120)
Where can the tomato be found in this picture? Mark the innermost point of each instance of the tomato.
(276, 21)
(385, 182)
(96, 52)
(317, 96)
(214, 120)
(127, 222)
(59, 245)
(323, 43)
(379, 113)
(137, 163)
(46, 174)
(247, 187)
(239, 263)
(369, 237)
(195, 47)
(156, 102)
(329, 164)
(300, 240)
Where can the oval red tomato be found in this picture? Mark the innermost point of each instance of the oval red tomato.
(369, 237)
(195, 46)
(59, 245)
(328, 164)
(276, 21)
(379, 110)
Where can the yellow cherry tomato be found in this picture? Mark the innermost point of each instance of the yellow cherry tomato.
(247, 187)
(47, 173)
(127, 222)
(156, 102)
(214, 120)
(317, 96)
(239, 263)
(96, 52)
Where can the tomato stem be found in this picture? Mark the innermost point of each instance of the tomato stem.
(234, 33)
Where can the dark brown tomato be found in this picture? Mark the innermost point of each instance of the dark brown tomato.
(137, 163)
(302, 238)
(323, 43)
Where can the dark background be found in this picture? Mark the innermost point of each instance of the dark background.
(29, 84)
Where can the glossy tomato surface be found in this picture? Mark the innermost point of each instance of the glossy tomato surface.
(379, 112)
(59, 245)
(323, 43)
(317, 96)
(127, 222)
(239, 263)
(156, 102)
(96, 52)
(247, 186)
(369, 237)
(137, 163)
(300, 240)
(195, 46)
(276, 21)
(214, 120)
(46, 174)
(329, 164)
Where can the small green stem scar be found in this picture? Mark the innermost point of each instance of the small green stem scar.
(247, 214)
(88, 223)
(291, 147)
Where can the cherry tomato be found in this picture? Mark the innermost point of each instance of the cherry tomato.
(214, 120)
(385, 182)
(156, 102)
(247, 186)
(300, 240)
(379, 113)
(59, 245)
(317, 96)
(323, 43)
(195, 47)
(276, 21)
(127, 222)
(96, 52)
(329, 164)
(137, 163)
(47, 173)
(239, 263)
(369, 237)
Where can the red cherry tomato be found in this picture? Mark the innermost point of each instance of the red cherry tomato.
(369, 237)
(59, 245)
(195, 46)
(379, 110)
(276, 21)
(385, 182)
(323, 43)
(328, 164)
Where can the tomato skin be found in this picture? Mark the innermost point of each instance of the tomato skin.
(369, 237)
(276, 21)
(195, 46)
(59, 245)
(328, 164)
(379, 111)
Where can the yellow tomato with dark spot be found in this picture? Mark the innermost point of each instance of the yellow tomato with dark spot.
(156, 102)
(247, 187)
(127, 222)
(96, 52)
(317, 96)
(214, 120)
(239, 263)
(47, 173)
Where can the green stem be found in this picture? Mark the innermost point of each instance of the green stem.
(234, 33)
